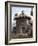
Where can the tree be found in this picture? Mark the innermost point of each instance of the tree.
(32, 12)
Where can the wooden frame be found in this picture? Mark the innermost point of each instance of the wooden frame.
(8, 5)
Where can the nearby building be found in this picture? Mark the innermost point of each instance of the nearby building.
(23, 25)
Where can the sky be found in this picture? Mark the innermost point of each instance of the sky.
(19, 10)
